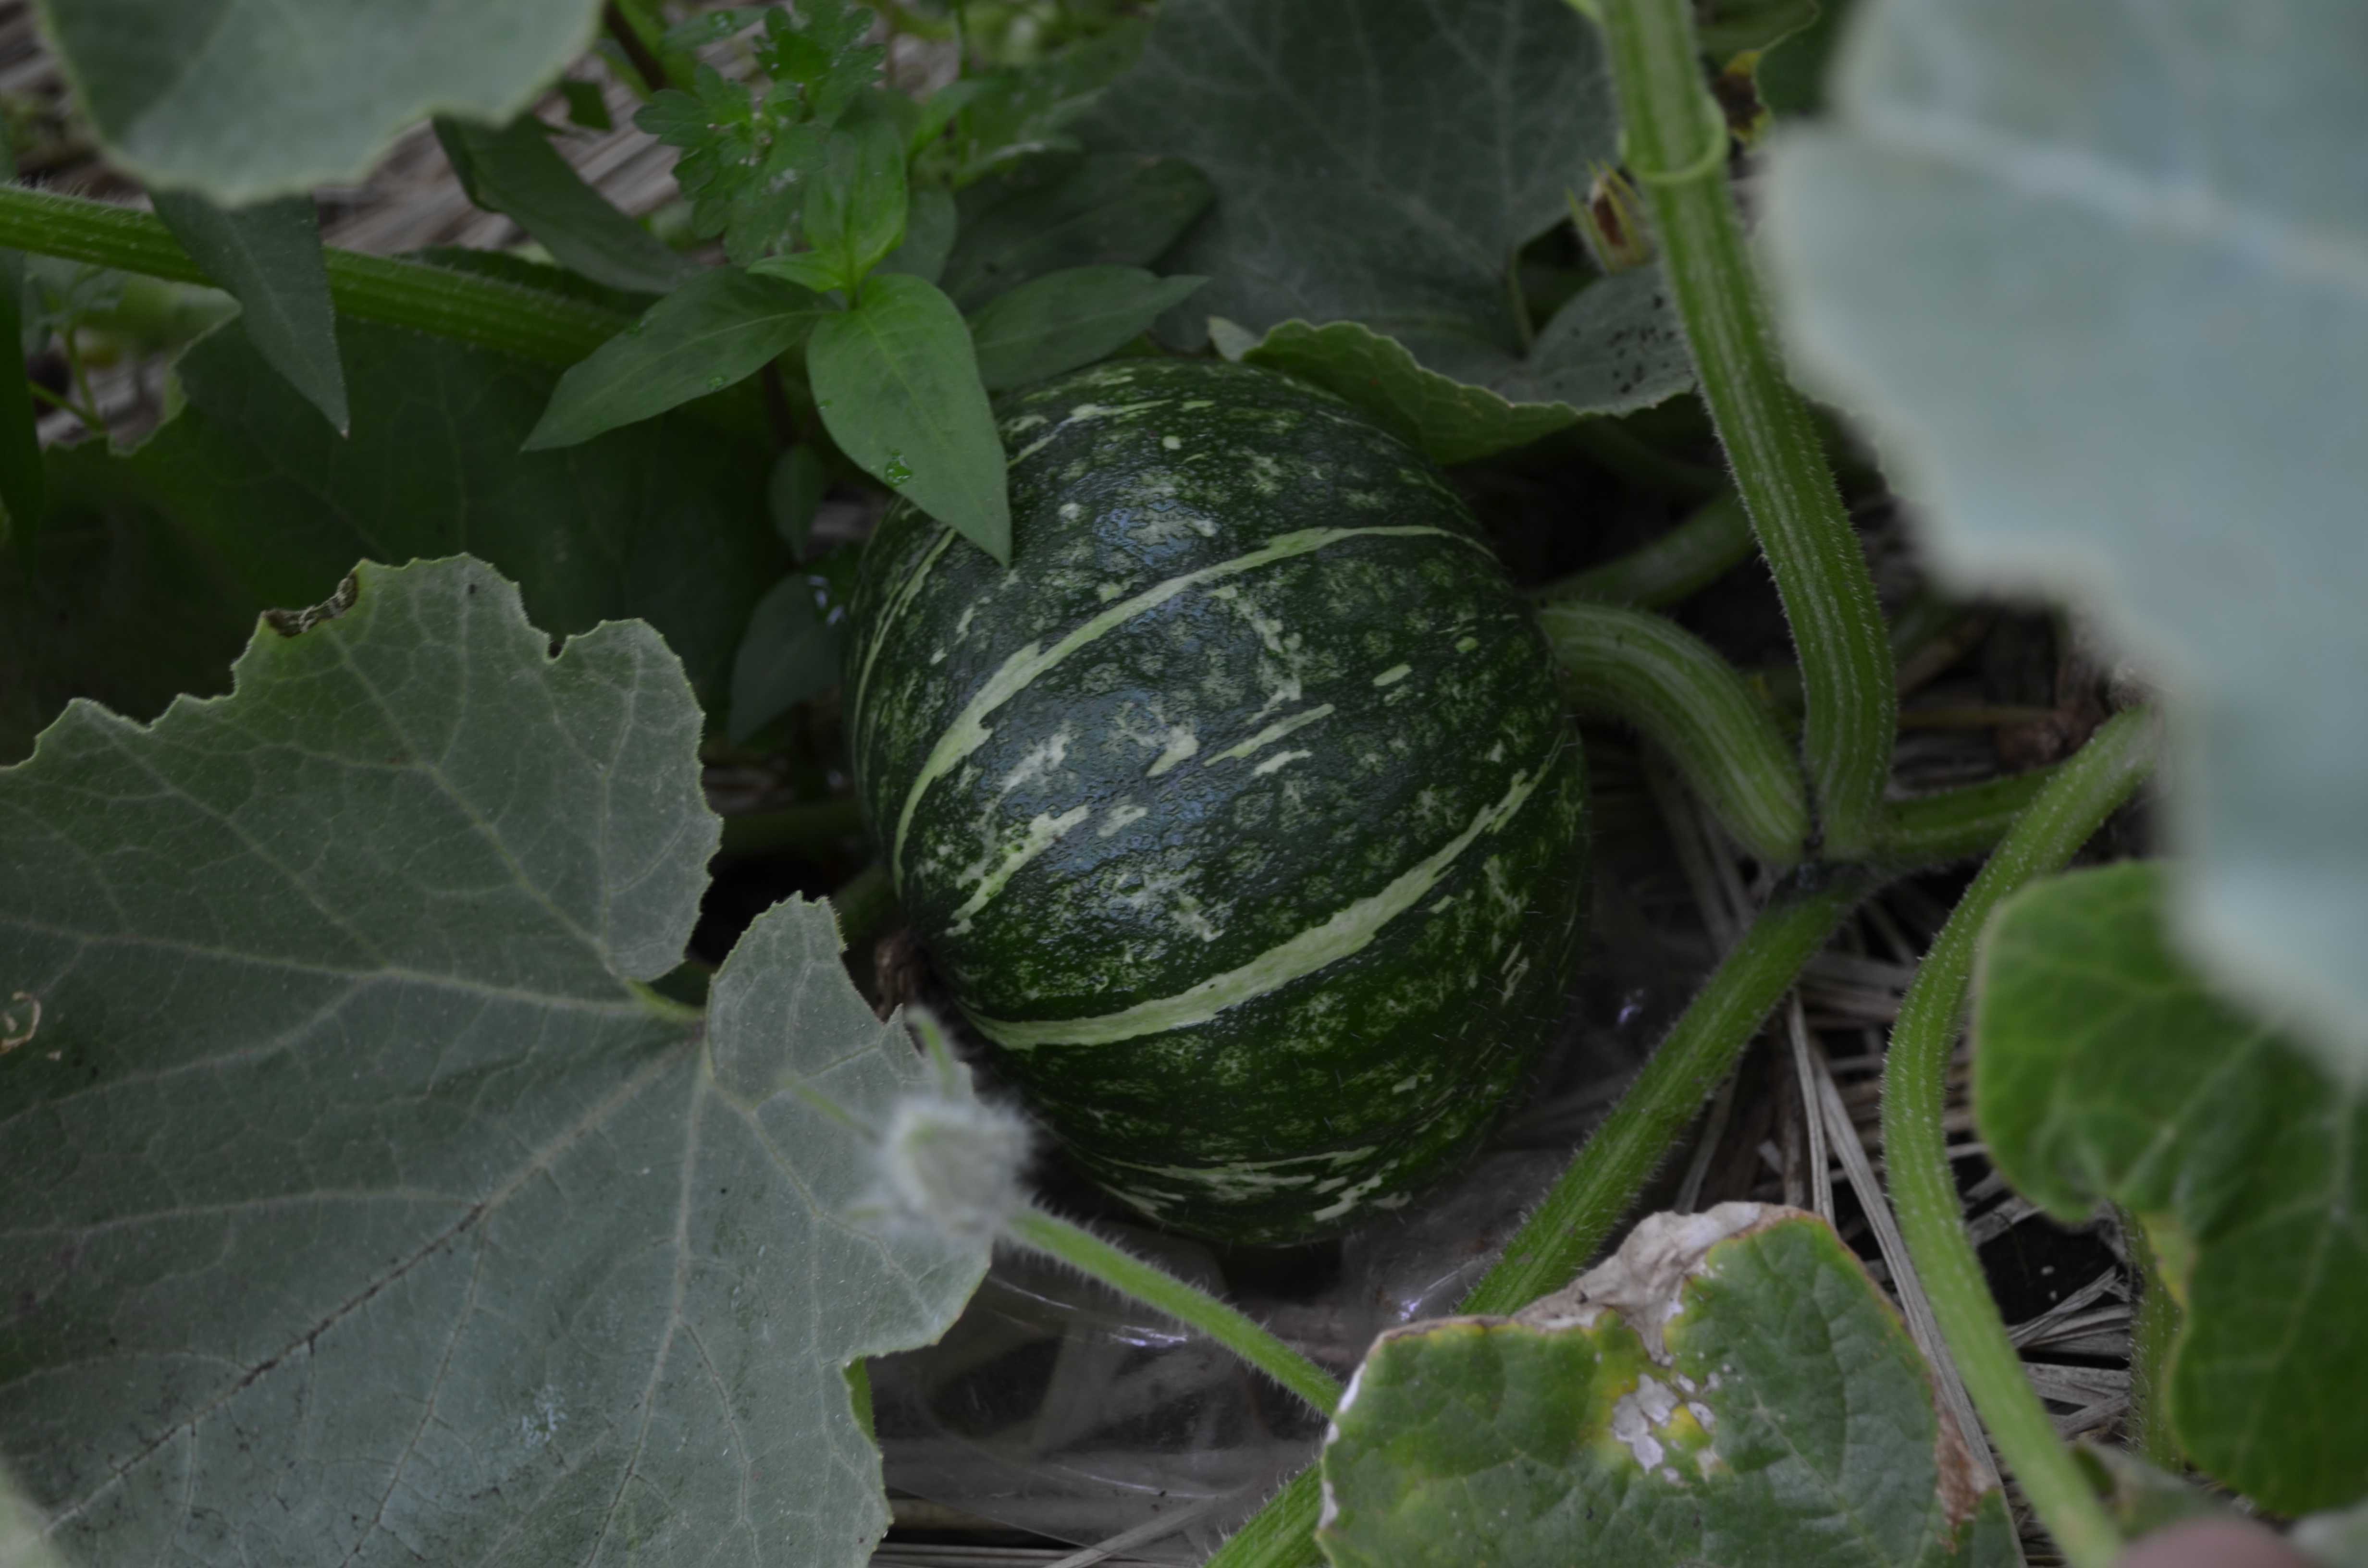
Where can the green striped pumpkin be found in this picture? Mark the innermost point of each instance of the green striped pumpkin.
(1239, 815)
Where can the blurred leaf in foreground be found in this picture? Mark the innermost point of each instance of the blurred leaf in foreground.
(2095, 275)
(2108, 1070)
(246, 99)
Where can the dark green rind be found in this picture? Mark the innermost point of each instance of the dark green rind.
(1347, 1089)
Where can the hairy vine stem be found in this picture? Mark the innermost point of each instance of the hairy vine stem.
(1676, 148)
(1959, 823)
(1673, 688)
(2070, 807)
(1579, 1211)
(1187, 1303)
(483, 312)
(2150, 1343)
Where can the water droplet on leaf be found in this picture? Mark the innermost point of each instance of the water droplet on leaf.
(717, 383)
(897, 470)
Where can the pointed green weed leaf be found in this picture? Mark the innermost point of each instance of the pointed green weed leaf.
(512, 169)
(2107, 1070)
(269, 258)
(245, 99)
(929, 223)
(897, 386)
(362, 1207)
(856, 199)
(664, 520)
(1109, 209)
(809, 269)
(721, 327)
(586, 106)
(2095, 275)
(1377, 160)
(791, 648)
(1729, 1391)
(1066, 318)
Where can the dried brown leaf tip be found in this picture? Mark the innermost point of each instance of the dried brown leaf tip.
(296, 623)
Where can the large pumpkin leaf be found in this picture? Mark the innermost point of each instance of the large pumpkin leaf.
(1730, 1389)
(362, 1207)
(1379, 161)
(2107, 1070)
(1053, 212)
(1376, 161)
(1449, 421)
(1612, 349)
(243, 99)
(665, 519)
(2096, 273)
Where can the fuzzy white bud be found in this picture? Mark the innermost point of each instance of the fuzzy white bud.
(949, 1162)
(955, 1164)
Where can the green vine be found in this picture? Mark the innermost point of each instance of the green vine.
(2150, 1342)
(1579, 1213)
(2070, 807)
(1674, 689)
(481, 312)
(1959, 823)
(1187, 1303)
(1676, 143)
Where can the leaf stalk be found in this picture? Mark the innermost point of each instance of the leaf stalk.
(1580, 1211)
(483, 312)
(1675, 144)
(2150, 1345)
(1187, 1303)
(1674, 689)
(2068, 809)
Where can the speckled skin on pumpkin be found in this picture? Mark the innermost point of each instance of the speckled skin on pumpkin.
(1240, 814)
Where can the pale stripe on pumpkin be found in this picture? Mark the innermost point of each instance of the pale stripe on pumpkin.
(1348, 931)
(968, 732)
